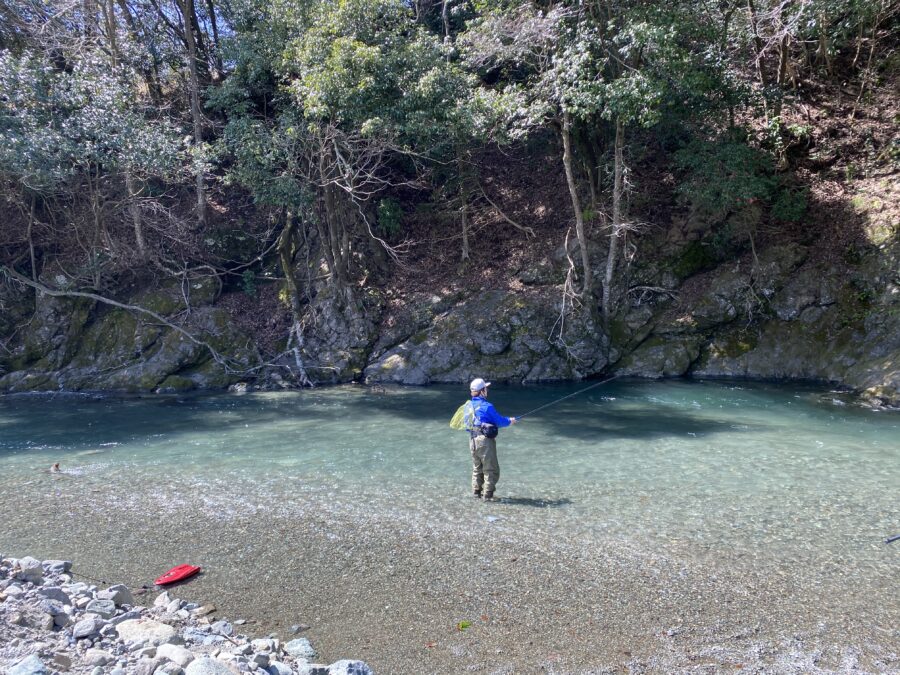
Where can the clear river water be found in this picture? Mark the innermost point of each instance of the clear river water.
(347, 509)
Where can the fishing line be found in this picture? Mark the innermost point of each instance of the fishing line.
(560, 400)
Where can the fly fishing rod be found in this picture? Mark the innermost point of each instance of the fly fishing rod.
(560, 400)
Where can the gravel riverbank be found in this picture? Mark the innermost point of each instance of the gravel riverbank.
(51, 623)
(470, 592)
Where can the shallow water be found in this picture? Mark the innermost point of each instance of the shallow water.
(750, 479)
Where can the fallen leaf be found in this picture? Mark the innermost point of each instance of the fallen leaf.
(462, 625)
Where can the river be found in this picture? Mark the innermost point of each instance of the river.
(655, 525)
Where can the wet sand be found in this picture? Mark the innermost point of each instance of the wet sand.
(454, 585)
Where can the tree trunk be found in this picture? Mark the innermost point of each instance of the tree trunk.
(464, 208)
(187, 10)
(217, 51)
(135, 210)
(758, 44)
(587, 288)
(615, 231)
(286, 250)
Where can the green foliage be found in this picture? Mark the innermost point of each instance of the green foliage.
(248, 283)
(724, 175)
(55, 123)
(697, 257)
(390, 216)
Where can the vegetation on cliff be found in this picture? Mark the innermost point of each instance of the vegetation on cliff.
(326, 162)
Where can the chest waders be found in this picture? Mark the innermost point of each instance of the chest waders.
(483, 444)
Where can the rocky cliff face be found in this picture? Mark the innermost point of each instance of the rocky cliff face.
(783, 316)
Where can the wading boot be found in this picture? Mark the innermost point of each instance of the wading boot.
(477, 494)
(489, 497)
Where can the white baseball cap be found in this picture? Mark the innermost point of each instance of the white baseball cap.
(478, 384)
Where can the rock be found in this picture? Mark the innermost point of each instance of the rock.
(87, 627)
(127, 616)
(263, 645)
(56, 566)
(312, 669)
(261, 660)
(30, 569)
(97, 657)
(173, 606)
(222, 628)
(145, 653)
(162, 599)
(52, 607)
(62, 661)
(153, 632)
(207, 666)
(119, 594)
(349, 667)
(169, 669)
(30, 665)
(55, 593)
(204, 610)
(175, 654)
(105, 608)
(301, 648)
(192, 634)
(147, 666)
(279, 668)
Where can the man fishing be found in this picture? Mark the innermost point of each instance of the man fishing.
(482, 421)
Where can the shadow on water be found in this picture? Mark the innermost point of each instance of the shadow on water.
(83, 422)
(536, 503)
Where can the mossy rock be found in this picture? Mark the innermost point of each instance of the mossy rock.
(175, 384)
(696, 257)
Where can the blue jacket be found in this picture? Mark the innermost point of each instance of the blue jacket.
(479, 411)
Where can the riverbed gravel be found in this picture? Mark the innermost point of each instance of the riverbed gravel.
(449, 584)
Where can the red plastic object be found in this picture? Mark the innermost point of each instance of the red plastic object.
(177, 573)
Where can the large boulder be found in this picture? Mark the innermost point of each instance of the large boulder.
(145, 630)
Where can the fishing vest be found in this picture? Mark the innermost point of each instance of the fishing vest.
(472, 419)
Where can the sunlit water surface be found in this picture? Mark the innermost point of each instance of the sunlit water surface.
(756, 474)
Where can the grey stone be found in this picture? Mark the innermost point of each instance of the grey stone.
(176, 654)
(55, 593)
(261, 660)
(30, 569)
(62, 661)
(62, 620)
(105, 608)
(52, 607)
(119, 594)
(87, 627)
(153, 632)
(56, 566)
(279, 668)
(312, 669)
(30, 665)
(162, 599)
(349, 667)
(222, 628)
(173, 606)
(169, 669)
(301, 648)
(97, 657)
(145, 653)
(147, 666)
(207, 666)
(127, 616)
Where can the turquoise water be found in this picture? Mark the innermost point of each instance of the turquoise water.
(748, 478)
(744, 465)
